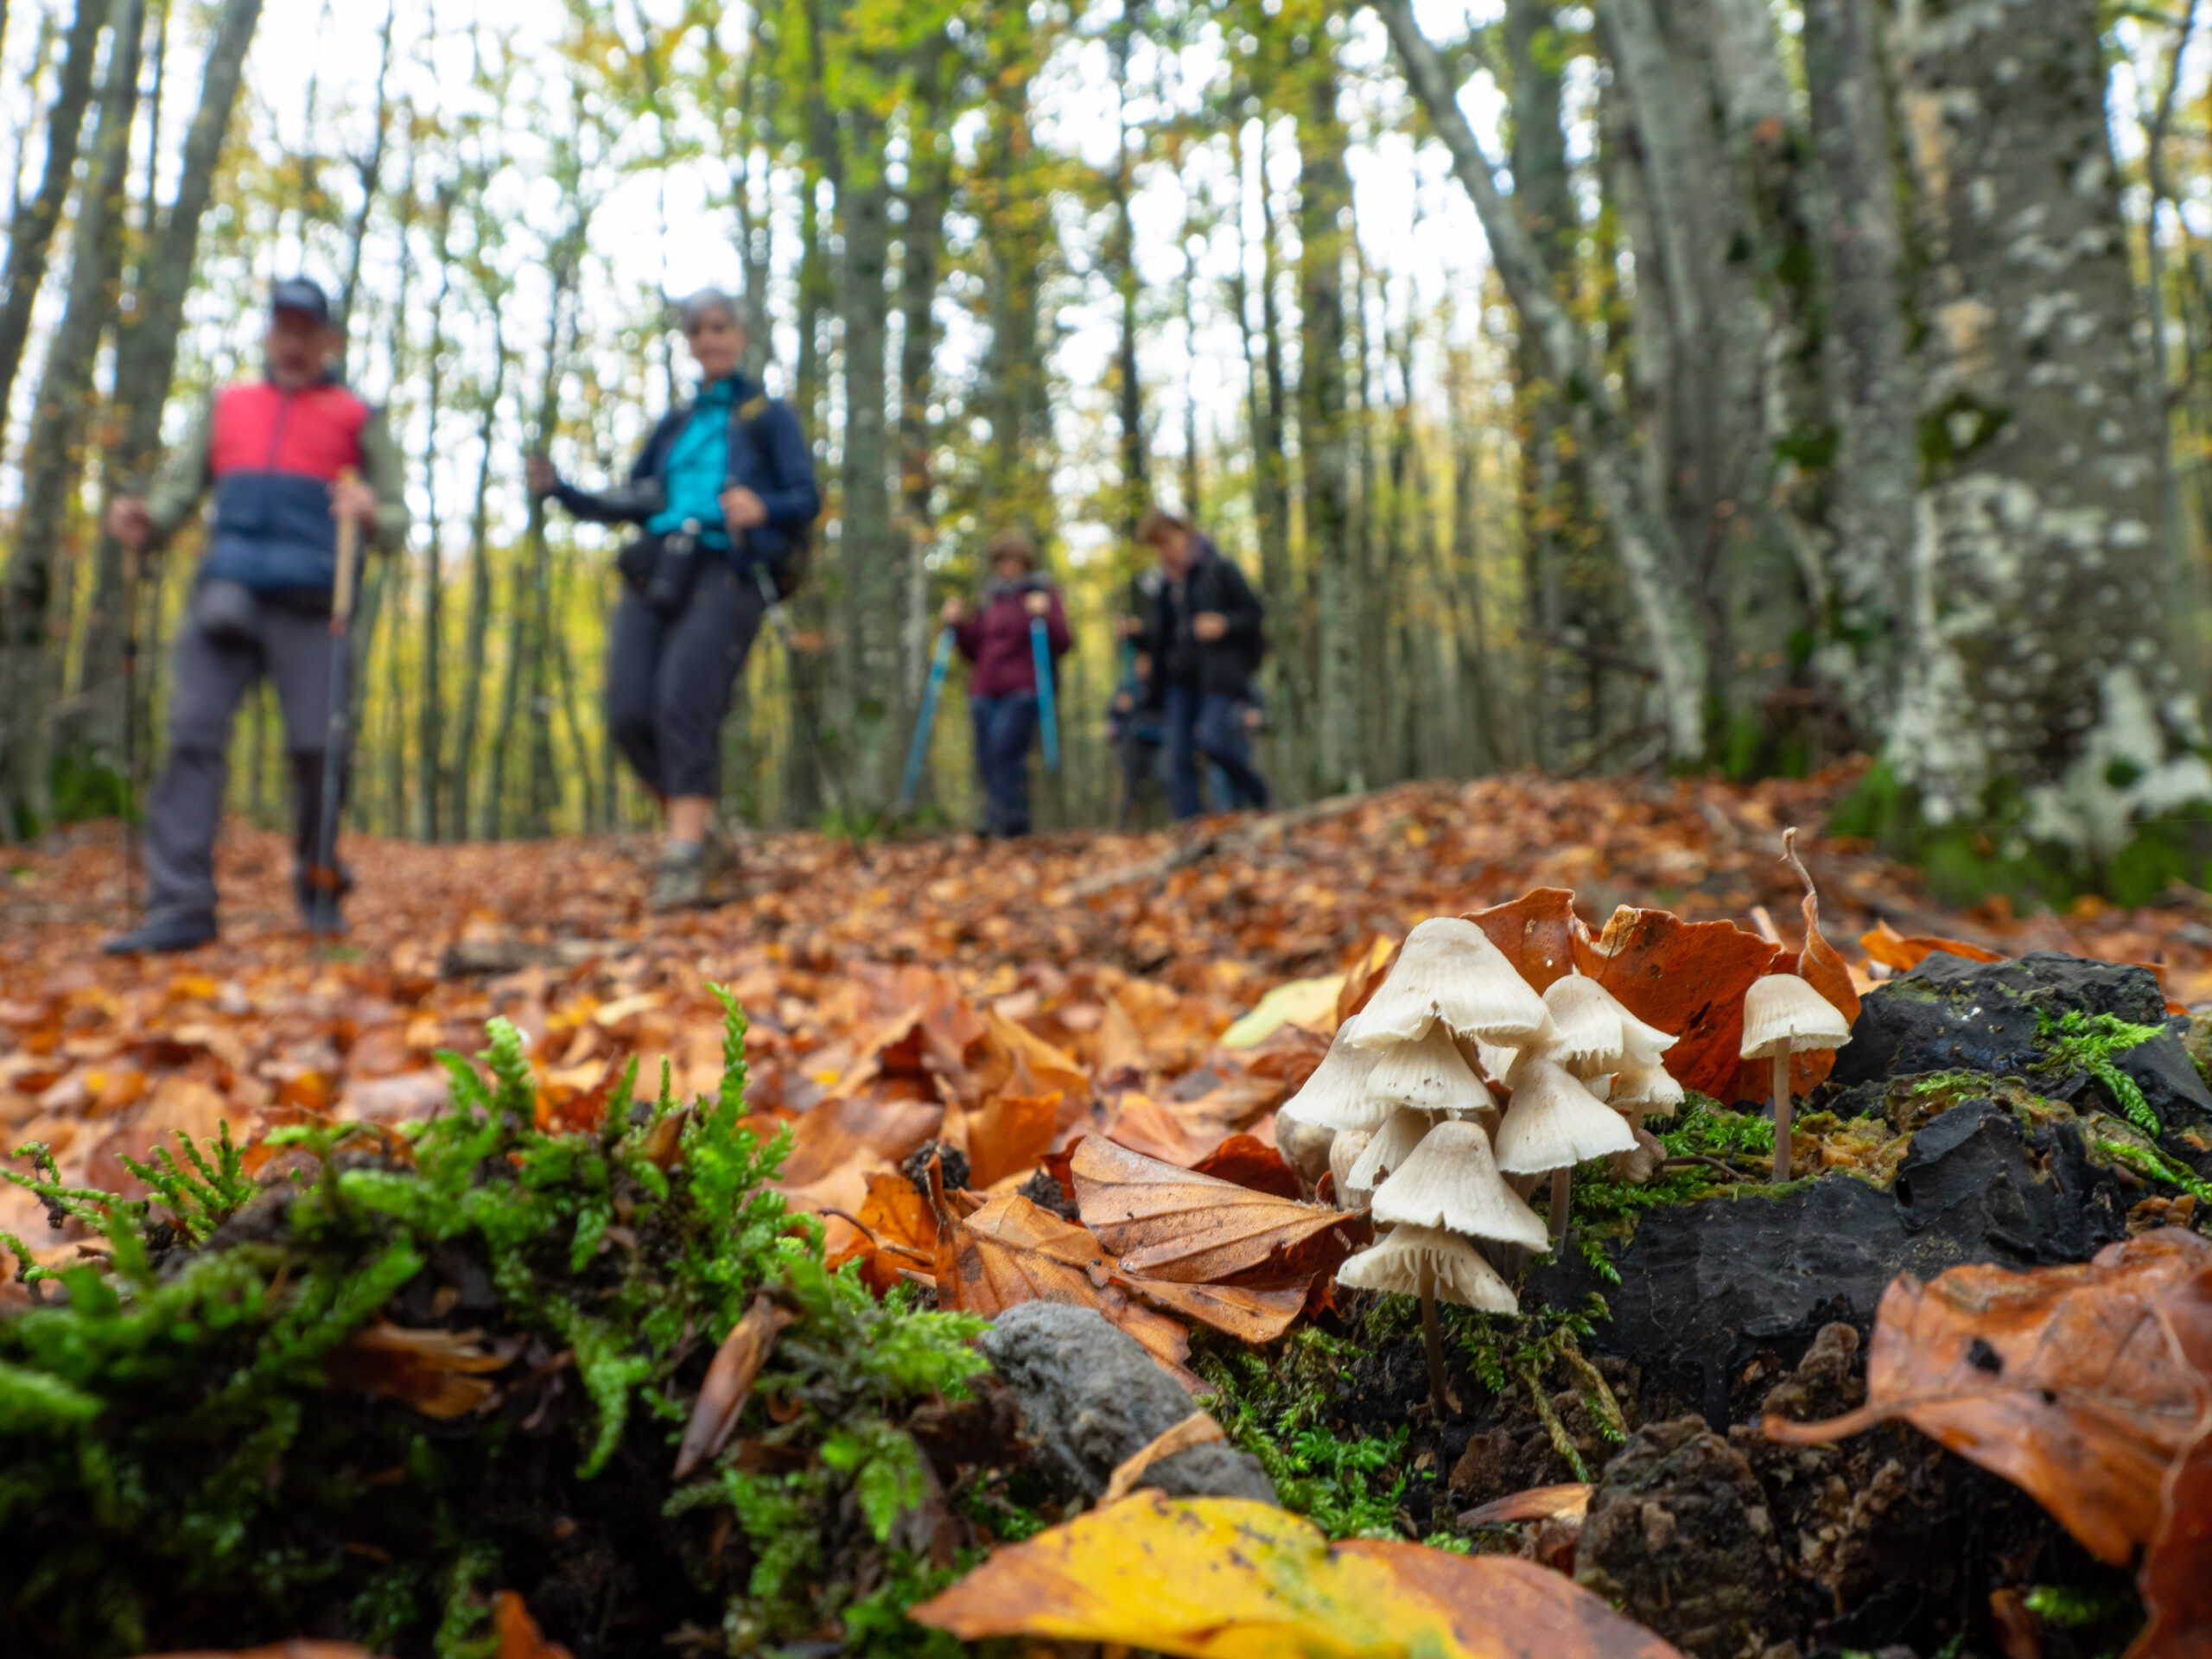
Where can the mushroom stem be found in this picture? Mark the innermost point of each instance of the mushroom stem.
(1781, 1115)
(1433, 1338)
(1562, 1188)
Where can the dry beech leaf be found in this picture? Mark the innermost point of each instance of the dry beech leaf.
(1536, 931)
(1199, 1429)
(519, 1636)
(439, 1373)
(1570, 1502)
(2176, 1576)
(1687, 978)
(1143, 1125)
(1166, 1222)
(2065, 1381)
(1906, 952)
(1009, 1134)
(1366, 976)
(901, 1232)
(1249, 1313)
(729, 1382)
(1249, 1162)
(1230, 1579)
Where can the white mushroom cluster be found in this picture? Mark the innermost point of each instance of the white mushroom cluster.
(1422, 1142)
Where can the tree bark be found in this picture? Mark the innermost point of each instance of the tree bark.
(54, 459)
(1645, 542)
(477, 630)
(429, 736)
(1860, 245)
(30, 238)
(929, 195)
(871, 575)
(2037, 571)
(1324, 434)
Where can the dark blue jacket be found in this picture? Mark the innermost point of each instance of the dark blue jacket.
(768, 455)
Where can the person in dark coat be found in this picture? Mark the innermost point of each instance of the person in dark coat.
(994, 637)
(1205, 642)
(724, 492)
(285, 457)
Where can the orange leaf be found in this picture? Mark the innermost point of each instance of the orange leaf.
(519, 1638)
(1536, 931)
(1249, 1313)
(1249, 1162)
(1906, 952)
(895, 1214)
(436, 1372)
(2065, 1381)
(1569, 1502)
(730, 1381)
(1009, 1134)
(1821, 968)
(1687, 978)
(2176, 1577)
(1167, 1223)
(1142, 1124)
(1364, 977)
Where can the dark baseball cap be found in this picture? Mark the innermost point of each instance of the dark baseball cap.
(300, 294)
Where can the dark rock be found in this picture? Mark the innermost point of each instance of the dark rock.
(2174, 1090)
(1091, 1398)
(952, 1166)
(1679, 1538)
(1949, 1015)
(1708, 1288)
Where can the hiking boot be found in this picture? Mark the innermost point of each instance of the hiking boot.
(161, 935)
(318, 906)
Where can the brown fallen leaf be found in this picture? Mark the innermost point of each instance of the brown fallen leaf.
(439, 1373)
(1365, 976)
(2065, 1380)
(1199, 1429)
(1567, 1502)
(1249, 1162)
(899, 1231)
(1009, 1134)
(1905, 951)
(1142, 1124)
(729, 1382)
(1687, 978)
(1536, 931)
(519, 1636)
(1166, 1222)
(1249, 1313)
(1226, 1578)
(2175, 1580)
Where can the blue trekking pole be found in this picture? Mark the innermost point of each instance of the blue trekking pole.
(940, 666)
(1041, 648)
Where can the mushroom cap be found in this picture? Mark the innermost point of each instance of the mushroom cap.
(1335, 1096)
(1636, 1089)
(1462, 1275)
(1554, 1122)
(1428, 1074)
(1304, 1144)
(1452, 1181)
(1448, 969)
(1591, 1029)
(1391, 1146)
(1785, 1016)
(1343, 1154)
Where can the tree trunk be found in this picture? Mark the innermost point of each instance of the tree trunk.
(1120, 264)
(1643, 540)
(929, 193)
(429, 736)
(146, 351)
(1324, 437)
(2037, 571)
(478, 628)
(370, 167)
(54, 459)
(30, 238)
(1860, 248)
(872, 577)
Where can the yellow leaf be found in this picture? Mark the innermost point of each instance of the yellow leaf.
(1223, 1578)
(1308, 1002)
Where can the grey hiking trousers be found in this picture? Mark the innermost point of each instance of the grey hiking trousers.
(211, 674)
(670, 680)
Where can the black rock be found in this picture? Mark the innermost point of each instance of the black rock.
(1705, 1288)
(1091, 1398)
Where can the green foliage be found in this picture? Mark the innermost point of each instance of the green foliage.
(2149, 1160)
(1272, 1405)
(2083, 1042)
(1525, 1350)
(168, 1438)
(2074, 1609)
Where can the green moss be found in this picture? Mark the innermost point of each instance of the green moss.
(2082, 1042)
(1273, 1406)
(169, 1449)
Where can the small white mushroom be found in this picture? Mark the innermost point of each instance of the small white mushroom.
(1449, 970)
(1452, 1181)
(1428, 1074)
(1391, 1146)
(1552, 1123)
(1335, 1096)
(1343, 1154)
(1593, 1032)
(1644, 1089)
(1783, 1015)
(1429, 1263)
(1304, 1144)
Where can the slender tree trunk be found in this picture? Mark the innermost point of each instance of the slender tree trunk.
(54, 460)
(478, 628)
(30, 238)
(872, 584)
(1643, 540)
(2038, 569)
(429, 736)
(371, 171)
(929, 192)
(1121, 263)
(1473, 636)
(1324, 434)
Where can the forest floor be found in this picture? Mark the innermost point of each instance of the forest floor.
(1000, 1002)
(1127, 955)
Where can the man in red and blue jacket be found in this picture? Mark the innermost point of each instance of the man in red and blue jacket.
(285, 457)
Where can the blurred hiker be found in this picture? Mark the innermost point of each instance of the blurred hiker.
(1132, 726)
(1205, 642)
(725, 497)
(286, 457)
(995, 638)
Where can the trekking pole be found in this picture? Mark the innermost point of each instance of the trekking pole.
(131, 577)
(323, 879)
(1041, 648)
(940, 666)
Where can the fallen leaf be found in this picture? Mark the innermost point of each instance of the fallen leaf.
(1230, 1579)
(901, 1232)
(1906, 952)
(439, 1373)
(1199, 1429)
(1248, 1161)
(729, 1382)
(519, 1638)
(1310, 1003)
(2064, 1380)
(1009, 1134)
(1536, 931)
(1687, 978)
(1568, 1502)
(1143, 1125)
(1166, 1222)
(2175, 1580)
(1250, 1313)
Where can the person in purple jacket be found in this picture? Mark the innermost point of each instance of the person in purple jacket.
(1002, 683)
